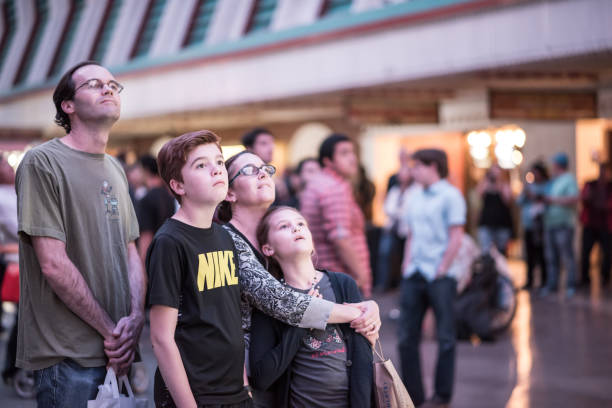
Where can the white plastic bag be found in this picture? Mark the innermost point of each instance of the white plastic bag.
(110, 397)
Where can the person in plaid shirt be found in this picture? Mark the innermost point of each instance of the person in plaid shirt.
(336, 222)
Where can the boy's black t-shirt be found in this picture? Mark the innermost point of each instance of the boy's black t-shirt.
(195, 271)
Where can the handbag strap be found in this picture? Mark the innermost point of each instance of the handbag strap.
(380, 354)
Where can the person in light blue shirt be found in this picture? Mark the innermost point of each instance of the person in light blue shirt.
(435, 218)
(559, 224)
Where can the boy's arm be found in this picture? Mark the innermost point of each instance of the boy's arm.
(163, 324)
(336, 211)
(456, 211)
(350, 258)
(406, 258)
(454, 243)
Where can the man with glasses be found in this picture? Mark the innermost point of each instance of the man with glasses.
(82, 281)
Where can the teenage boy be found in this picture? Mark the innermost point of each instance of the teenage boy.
(194, 293)
(436, 217)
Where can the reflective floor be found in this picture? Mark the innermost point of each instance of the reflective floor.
(557, 353)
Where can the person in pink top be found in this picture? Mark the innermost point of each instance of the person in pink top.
(336, 222)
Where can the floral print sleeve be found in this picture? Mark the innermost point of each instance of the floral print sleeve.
(259, 289)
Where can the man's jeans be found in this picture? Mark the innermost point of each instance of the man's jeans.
(559, 246)
(417, 294)
(67, 384)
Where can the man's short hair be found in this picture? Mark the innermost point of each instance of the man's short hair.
(149, 164)
(326, 150)
(173, 155)
(435, 156)
(249, 138)
(64, 91)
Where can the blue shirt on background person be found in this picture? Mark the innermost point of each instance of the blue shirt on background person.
(432, 212)
(557, 215)
(530, 208)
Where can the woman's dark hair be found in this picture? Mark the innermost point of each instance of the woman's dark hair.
(540, 167)
(224, 209)
(435, 156)
(326, 150)
(64, 91)
(262, 232)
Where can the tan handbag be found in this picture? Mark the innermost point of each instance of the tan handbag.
(389, 388)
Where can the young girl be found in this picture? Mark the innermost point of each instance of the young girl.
(329, 368)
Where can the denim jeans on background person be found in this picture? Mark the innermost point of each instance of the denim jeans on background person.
(559, 247)
(416, 296)
(534, 256)
(67, 384)
(498, 236)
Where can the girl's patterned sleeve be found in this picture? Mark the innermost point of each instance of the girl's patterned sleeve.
(262, 291)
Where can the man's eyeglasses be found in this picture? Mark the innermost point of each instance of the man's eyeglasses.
(96, 83)
(252, 170)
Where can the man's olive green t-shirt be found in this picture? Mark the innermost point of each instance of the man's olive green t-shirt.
(81, 199)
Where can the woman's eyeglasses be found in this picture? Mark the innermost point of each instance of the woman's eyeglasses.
(252, 170)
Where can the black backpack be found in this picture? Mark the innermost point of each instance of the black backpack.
(476, 307)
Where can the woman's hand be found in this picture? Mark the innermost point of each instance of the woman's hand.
(372, 338)
(368, 323)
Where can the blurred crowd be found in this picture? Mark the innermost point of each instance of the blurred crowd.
(335, 195)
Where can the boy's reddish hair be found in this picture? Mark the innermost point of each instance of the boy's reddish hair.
(173, 155)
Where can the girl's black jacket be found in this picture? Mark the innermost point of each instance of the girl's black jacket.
(274, 345)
